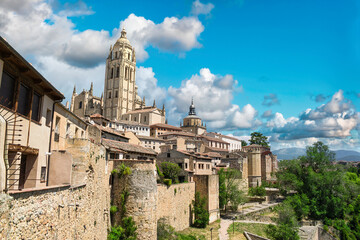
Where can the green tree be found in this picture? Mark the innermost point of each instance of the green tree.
(170, 170)
(286, 227)
(229, 193)
(259, 138)
(201, 215)
(244, 143)
(323, 190)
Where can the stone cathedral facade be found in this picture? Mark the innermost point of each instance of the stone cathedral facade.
(120, 99)
(120, 90)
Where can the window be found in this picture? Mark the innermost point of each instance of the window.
(145, 119)
(48, 117)
(135, 119)
(116, 54)
(112, 73)
(186, 165)
(109, 94)
(67, 130)
(76, 132)
(23, 101)
(116, 93)
(43, 174)
(180, 165)
(168, 155)
(117, 72)
(7, 90)
(207, 166)
(80, 105)
(35, 115)
(153, 147)
(129, 56)
(57, 129)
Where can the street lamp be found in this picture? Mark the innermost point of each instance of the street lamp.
(211, 232)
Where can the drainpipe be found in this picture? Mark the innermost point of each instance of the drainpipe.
(50, 141)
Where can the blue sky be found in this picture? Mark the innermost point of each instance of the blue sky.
(238, 59)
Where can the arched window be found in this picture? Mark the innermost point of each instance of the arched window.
(117, 72)
(126, 72)
(112, 73)
(109, 94)
(80, 104)
(116, 94)
(116, 54)
(129, 56)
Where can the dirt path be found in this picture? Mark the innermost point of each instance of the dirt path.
(224, 225)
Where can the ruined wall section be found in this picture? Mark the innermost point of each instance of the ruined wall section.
(141, 203)
(174, 204)
(208, 186)
(63, 212)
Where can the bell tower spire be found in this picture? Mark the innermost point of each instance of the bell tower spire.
(192, 108)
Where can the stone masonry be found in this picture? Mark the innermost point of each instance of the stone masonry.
(174, 204)
(63, 212)
(141, 203)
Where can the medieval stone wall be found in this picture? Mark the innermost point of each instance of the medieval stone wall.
(141, 203)
(64, 212)
(174, 204)
(208, 186)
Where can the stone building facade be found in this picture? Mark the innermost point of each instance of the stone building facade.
(26, 108)
(120, 90)
(85, 103)
(76, 210)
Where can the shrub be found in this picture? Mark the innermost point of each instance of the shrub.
(113, 209)
(257, 191)
(170, 170)
(165, 231)
(201, 215)
(121, 170)
(167, 182)
(127, 231)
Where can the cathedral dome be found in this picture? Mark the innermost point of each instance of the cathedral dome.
(123, 38)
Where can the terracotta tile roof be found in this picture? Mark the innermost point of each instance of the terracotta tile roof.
(214, 149)
(150, 138)
(142, 110)
(110, 130)
(254, 145)
(178, 134)
(127, 147)
(97, 115)
(193, 154)
(163, 125)
(213, 139)
(213, 154)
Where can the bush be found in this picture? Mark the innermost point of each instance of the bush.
(257, 191)
(170, 170)
(287, 225)
(121, 170)
(167, 182)
(165, 231)
(201, 215)
(113, 209)
(127, 231)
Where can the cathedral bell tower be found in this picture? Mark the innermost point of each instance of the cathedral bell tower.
(120, 90)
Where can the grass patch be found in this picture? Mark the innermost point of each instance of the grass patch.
(204, 233)
(255, 228)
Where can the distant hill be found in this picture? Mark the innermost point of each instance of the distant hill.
(291, 153)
